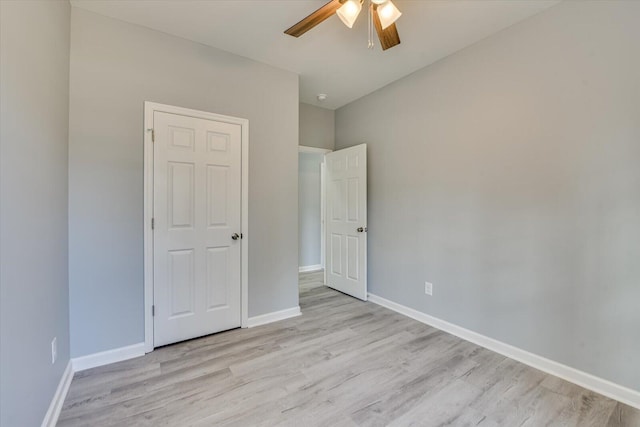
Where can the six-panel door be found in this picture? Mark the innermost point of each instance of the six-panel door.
(346, 221)
(197, 210)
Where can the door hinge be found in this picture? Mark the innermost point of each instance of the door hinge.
(153, 134)
(153, 310)
(153, 223)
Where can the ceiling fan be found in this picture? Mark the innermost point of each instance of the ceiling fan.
(383, 13)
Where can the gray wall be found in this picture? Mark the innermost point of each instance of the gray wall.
(309, 206)
(317, 127)
(507, 174)
(115, 67)
(34, 124)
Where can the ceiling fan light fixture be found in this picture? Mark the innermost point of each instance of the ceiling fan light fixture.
(349, 11)
(388, 13)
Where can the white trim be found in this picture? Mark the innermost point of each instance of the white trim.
(244, 320)
(51, 417)
(313, 150)
(263, 319)
(606, 388)
(149, 109)
(147, 232)
(309, 268)
(106, 357)
(323, 202)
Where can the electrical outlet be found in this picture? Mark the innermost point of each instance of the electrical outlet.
(428, 288)
(54, 350)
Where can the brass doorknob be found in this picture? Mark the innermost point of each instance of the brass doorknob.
(235, 236)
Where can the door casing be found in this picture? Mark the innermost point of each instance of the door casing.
(323, 151)
(149, 109)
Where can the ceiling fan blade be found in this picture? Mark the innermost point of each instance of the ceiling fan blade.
(314, 19)
(389, 36)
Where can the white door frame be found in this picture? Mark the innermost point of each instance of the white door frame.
(149, 109)
(323, 151)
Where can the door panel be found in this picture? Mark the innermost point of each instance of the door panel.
(353, 262)
(197, 205)
(217, 278)
(336, 254)
(181, 195)
(217, 184)
(182, 283)
(346, 257)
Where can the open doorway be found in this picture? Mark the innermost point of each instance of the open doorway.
(311, 239)
(333, 182)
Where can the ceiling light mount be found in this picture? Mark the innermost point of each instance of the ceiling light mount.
(322, 97)
(387, 12)
(382, 16)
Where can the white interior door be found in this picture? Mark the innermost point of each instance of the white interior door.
(346, 221)
(197, 223)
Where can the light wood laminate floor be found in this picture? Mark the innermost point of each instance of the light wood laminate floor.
(342, 363)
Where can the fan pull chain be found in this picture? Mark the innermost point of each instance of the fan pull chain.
(370, 46)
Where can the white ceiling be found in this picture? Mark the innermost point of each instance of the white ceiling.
(330, 58)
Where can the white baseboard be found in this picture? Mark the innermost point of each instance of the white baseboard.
(607, 388)
(106, 357)
(51, 417)
(263, 319)
(309, 268)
